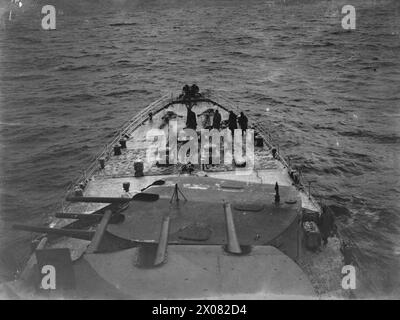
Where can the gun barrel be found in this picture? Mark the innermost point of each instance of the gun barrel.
(98, 199)
(79, 216)
(146, 197)
(73, 233)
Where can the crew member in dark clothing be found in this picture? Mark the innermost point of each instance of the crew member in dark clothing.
(191, 122)
(185, 92)
(232, 122)
(326, 224)
(243, 122)
(194, 90)
(217, 120)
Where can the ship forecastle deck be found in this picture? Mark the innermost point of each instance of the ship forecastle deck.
(119, 169)
(270, 228)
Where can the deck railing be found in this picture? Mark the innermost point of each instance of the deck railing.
(126, 129)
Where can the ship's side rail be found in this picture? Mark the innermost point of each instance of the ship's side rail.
(267, 138)
(126, 129)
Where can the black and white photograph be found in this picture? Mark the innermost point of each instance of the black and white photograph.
(199, 154)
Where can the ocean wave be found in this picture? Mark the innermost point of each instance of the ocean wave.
(87, 55)
(381, 138)
(81, 97)
(122, 24)
(71, 67)
(336, 110)
(126, 92)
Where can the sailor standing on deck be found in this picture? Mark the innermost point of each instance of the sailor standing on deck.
(216, 120)
(207, 122)
(243, 122)
(232, 122)
(186, 91)
(194, 91)
(191, 122)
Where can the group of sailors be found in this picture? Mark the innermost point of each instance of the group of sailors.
(192, 92)
(233, 121)
(189, 92)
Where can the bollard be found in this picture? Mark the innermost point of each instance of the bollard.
(277, 196)
(117, 150)
(138, 167)
(78, 192)
(259, 142)
(102, 162)
(122, 142)
(126, 186)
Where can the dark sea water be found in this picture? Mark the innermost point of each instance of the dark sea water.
(329, 97)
